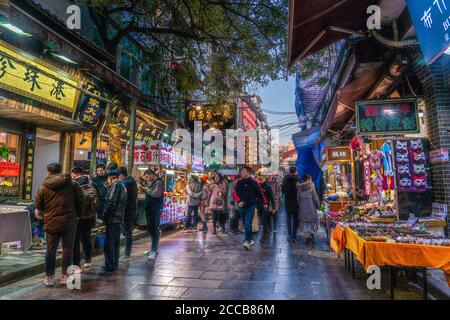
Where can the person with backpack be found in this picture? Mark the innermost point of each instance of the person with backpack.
(130, 209)
(268, 211)
(99, 183)
(113, 217)
(86, 220)
(153, 204)
(218, 189)
(59, 202)
(289, 189)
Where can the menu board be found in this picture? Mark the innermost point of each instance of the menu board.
(385, 117)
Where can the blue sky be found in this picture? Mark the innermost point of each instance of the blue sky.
(280, 96)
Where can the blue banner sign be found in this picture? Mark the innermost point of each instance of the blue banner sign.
(431, 20)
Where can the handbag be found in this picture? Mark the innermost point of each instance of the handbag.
(255, 223)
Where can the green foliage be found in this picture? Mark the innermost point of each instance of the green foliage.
(225, 46)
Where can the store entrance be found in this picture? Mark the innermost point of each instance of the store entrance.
(46, 151)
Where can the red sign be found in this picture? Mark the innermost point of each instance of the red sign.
(9, 169)
(367, 183)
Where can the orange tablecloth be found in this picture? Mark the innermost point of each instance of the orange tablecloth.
(391, 254)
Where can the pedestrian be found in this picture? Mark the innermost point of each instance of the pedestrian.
(194, 193)
(86, 221)
(289, 190)
(153, 204)
(204, 203)
(266, 211)
(112, 167)
(130, 209)
(232, 208)
(246, 192)
(308, 203)
(275, 185)
(218, 189)
(99, 183)
(59, 202)
(113, 217)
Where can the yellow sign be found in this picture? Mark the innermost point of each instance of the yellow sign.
(30, 77)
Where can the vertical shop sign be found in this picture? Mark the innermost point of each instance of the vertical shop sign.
(29, 163)
(152, 155)
(91, 109)
(140, 152)
(366, 166)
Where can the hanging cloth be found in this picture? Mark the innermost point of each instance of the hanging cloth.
(387, 159)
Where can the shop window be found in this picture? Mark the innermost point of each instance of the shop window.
(9, 165)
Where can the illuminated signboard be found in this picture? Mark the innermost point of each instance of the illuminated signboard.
(220, 117)
(25, 75)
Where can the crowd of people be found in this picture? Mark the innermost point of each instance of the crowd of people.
(71, 204)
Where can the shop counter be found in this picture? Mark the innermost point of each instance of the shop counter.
(15, 225)
(371, 253)
(173, 211)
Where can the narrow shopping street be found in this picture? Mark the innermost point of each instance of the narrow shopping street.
(208, 267)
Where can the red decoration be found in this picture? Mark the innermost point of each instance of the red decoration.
(9, 169)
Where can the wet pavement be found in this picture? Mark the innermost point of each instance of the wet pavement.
(205, 266)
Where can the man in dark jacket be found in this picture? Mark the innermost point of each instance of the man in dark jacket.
(86, 221)
(130, 209)
(59, 201)
(268, 211)
(99, 182)
(246, 192)
(154, 201)
(289, 189)
(113, 218)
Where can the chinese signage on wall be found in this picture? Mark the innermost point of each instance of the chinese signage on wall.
(92, 109)
(384, 117)
(197, 164)
(221, 117)
(146, 153)
(172, 157)
(29, 163)
(338, 154)
(144, 130)
(9, 169)
(30, 77)
(431, 19)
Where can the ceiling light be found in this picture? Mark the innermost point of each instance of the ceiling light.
(14, 29)
(63, 58)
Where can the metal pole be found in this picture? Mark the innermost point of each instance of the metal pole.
(93, 165)
(132, 135)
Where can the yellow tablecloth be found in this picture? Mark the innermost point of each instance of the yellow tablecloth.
(391, 254)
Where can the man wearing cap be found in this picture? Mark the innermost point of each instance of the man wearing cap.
(153, 204)
(113, 216)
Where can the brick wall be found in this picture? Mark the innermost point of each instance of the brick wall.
(435, 80)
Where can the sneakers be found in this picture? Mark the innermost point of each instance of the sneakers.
(49, 281)
(152, 255)
(145, 253)
(63, 280)
(125, 258)
(246, 245)
(87, 264)
(252, 243)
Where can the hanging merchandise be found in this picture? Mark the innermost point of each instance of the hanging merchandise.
(367, 183)
(411, 166)
(388, 181)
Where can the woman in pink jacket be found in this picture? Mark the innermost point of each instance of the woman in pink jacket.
(218, 189)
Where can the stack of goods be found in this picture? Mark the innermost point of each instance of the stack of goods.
(387, 212)
(398, 233)
(411, 166)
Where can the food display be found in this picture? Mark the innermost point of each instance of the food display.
(399, 233)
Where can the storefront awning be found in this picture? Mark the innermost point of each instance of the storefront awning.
(314, 25)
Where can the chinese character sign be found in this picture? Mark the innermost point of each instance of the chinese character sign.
(166, 154)
(92, 109)
(431, 20)
(384, 117)
(33, 79)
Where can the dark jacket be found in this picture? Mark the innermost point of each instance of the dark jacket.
(90, 198)
(99, 184)
(268, 193)
(308, 202)
(114, 211)
(247, 191)
(289, 189)
(154, 196)
(61, 200)
(132, 196)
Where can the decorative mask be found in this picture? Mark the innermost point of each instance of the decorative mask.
(401, 146)
(419, 169)
(402, 157)
(419, 156)
(420, 182)
(416, 144)
(405, 182)
(403, 169)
